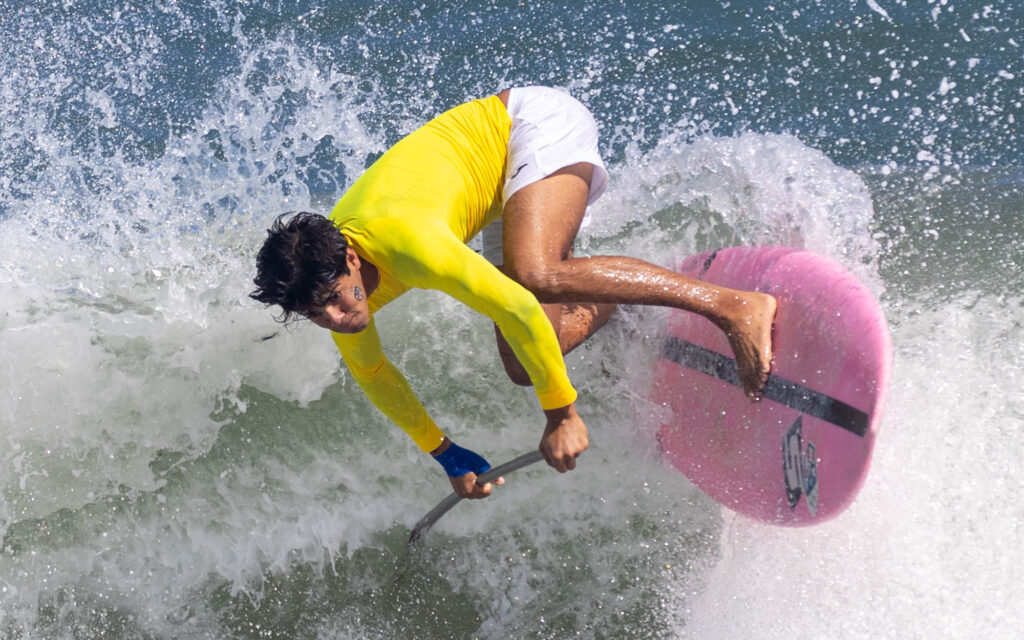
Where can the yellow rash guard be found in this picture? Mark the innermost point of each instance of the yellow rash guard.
(411, 215)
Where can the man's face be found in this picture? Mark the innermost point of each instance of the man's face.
(344, 310)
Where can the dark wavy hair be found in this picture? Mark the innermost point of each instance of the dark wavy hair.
(303, 255)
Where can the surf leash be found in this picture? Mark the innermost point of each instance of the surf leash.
(445, 505)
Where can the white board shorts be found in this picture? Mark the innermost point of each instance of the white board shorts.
(550, 130)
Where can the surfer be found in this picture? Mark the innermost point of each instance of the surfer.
(521, 166)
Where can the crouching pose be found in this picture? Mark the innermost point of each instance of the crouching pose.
(521, 166)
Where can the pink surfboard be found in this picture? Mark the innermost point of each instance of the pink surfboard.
(800, 455)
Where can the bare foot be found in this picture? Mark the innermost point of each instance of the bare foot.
(749, 329)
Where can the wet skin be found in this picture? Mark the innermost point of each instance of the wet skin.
(346, 309)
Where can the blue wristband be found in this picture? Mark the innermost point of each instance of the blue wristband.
(458, 461)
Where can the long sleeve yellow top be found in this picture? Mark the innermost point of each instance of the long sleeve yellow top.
(411, 215)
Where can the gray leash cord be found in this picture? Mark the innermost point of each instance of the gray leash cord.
(445, 505)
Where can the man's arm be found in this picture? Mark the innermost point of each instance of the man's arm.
(386, 387)
(438, 260)
(435, 259)
(390, 392)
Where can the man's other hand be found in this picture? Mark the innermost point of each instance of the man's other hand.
(467, 487)
(565, 438)
(463, 466)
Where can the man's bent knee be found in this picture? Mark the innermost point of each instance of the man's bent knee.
(543, 282)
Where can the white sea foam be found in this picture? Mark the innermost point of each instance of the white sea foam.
(762, 189)
(877, 8)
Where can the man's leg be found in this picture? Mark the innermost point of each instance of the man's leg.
(573, 322)
(540, 225)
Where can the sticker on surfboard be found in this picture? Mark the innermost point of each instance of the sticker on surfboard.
(800, 468)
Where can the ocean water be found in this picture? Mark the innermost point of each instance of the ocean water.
(174, 464)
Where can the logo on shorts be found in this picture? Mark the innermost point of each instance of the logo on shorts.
(520, 168)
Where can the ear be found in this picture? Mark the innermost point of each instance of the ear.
(352, 258)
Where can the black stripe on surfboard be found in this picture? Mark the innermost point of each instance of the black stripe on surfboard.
(793, 395)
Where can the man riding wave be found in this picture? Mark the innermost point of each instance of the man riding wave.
(521, 167)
